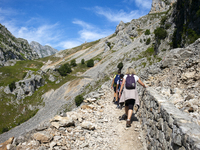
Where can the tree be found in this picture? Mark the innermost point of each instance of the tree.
(78, 100)
(160, 33)
(82, 61)
(120, 66)
(64, 69)
(147, 32)
(90, 63)
(73, 63)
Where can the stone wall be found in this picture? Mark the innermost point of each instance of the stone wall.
(165, 126)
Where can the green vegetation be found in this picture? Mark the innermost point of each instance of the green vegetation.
(90, 63)
(148, 41)
(16, 72)
(64, 69)
(160, 33)
(82, 61)
(120, 66)
(78, 100)
(73, 63)
(147, 32)
(163, 20)
(12, 86)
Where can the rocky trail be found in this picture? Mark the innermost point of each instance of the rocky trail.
(93, 125)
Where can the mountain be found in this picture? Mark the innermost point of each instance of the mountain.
(42, 51)
(158, 46)
(12, 48)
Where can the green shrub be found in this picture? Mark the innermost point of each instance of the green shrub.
(82, 61)
(78, 100)
(164, 18)
(160, 33)
(147, 32)
(73, 63)
(140, 40)
(24, 75)
(12, 86)
(167, 26)
(64, 69)
(148, 41)
(90, 63)
(120, 66)
(109, 44)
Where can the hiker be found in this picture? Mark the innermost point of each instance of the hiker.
(114, 85)
(119, 83)
(130, 94)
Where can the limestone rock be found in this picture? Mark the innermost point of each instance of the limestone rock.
(43, 137)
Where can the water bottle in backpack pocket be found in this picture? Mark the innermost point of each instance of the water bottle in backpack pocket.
(130, 82)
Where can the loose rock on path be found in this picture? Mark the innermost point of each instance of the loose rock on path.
(93, 125)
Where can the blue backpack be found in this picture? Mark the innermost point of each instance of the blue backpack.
(117, 77)
(130, 82)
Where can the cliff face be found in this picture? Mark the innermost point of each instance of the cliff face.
(161, 5)
(12, 48)
(42, 51)
(186, 17)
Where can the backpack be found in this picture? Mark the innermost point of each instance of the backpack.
(130, 82)
(120, 83)
(117, 77)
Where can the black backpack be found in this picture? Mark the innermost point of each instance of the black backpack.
(130, 82)
(117, 77)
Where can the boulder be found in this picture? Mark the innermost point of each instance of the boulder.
(43, 137)
(88, 125)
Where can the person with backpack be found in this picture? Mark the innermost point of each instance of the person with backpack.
(114, 85)
(130, 94)
(119, 83)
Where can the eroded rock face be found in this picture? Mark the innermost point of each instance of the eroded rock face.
(161, 5)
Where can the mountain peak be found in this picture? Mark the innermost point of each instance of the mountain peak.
(161, 5)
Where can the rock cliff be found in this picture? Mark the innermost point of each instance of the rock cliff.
(161, 5)
(12, 48)
(42, 51)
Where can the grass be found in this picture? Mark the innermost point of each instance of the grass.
(16, 72)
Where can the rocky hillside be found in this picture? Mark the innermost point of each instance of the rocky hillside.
(145, 44)
(42, 51)
(12, 48)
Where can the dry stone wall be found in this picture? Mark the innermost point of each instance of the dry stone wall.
(165, 126)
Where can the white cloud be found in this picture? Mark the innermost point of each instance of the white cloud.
(69, 44)
(117, 16)
(91, 32)
(146, 4)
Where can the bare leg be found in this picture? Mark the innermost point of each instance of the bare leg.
(130, 112)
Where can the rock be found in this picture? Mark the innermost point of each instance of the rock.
(43, 137)
(3, 146)
(88, 125)
(52, 78)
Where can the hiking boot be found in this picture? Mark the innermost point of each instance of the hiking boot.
(118, 107)
(114, 99)
(128, 124)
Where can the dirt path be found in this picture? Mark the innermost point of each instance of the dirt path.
(128, 138)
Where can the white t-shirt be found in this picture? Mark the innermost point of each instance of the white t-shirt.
(136, 78)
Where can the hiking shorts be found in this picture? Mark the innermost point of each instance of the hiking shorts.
(115, 89)
(130, 103)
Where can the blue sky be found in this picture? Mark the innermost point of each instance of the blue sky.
(64, 24)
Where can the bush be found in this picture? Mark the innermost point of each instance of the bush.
(90, 63)
(78, 100)
(12, 86)
(64, 69)
(120, 66)
(73, 63)
(160, 33)
(82, 61)
(148, 41)
(147, 32)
